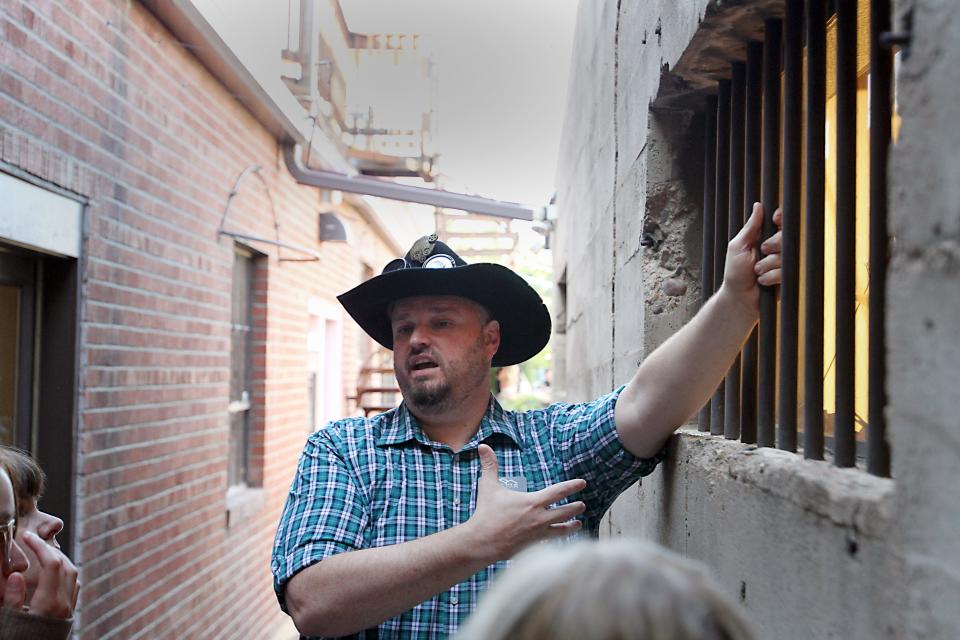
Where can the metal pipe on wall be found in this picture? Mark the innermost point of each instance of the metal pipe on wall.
(403, 192)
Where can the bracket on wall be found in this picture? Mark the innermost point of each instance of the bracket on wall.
(900, 39)
(254, 169)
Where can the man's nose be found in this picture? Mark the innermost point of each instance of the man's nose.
(419, 339)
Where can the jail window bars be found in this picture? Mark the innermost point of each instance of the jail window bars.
(750, 138)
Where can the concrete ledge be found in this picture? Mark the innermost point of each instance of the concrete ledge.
(848, 497)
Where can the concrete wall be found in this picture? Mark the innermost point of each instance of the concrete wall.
(812, 551)
(924, 320)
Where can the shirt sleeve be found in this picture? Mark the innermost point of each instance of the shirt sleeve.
(586, 437)
(325, 514)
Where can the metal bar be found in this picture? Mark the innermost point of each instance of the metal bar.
(706, 256)
(731, 421)
(277, 243)
(394, 191)
(790, 274)
(816, 100)
(843, 429)
(720, 226)
(770, 188)
(751, 194)
(881, 71)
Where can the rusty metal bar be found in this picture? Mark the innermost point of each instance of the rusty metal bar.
(706, 256)
(731, 421)
(751, 193)
(720, 226)
(816, 100)
(790, 274)
(770, 191)
(843, 428)
(881, 112)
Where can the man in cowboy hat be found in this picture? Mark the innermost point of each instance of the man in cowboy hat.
(394, 524)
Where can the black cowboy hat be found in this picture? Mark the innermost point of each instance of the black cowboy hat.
(431, 268)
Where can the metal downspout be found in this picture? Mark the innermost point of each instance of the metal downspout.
(407, 193)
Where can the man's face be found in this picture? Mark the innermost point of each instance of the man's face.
(46, 527)
(442, 348)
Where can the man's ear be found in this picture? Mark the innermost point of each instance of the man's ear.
(491, 338)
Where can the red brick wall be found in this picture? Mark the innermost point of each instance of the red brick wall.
(97, 97)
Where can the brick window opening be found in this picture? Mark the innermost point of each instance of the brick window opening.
(803, 121)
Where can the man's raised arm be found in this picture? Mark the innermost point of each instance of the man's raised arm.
(352, 591)
(674, 381)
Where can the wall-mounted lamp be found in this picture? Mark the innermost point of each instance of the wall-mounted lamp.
(332, 228)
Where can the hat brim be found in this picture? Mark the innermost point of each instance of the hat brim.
(524, 319)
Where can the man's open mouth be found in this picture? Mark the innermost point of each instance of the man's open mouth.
(421, 365)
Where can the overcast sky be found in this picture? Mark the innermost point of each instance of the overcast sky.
(502, 68)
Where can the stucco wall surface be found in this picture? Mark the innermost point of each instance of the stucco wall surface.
(924, 320)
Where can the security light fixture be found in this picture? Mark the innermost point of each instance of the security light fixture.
(332, 228)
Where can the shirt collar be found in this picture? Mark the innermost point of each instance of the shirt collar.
(401, 426)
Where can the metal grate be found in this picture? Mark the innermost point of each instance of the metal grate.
(765, 133)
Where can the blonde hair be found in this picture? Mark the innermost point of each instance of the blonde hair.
(611, 590)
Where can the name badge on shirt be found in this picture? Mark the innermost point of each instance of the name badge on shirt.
(514, 483)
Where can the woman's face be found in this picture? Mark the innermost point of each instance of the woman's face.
(8, 512)
(46, 527)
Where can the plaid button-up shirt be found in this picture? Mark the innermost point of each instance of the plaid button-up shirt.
(373, 482)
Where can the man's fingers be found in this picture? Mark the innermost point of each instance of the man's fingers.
(773, 244)
(771, 278)
(750, 232)
(564, 529)
(778, 217)
(15, 592)
(771, 262)
(488, 462)
(557, 492)
(566, 512)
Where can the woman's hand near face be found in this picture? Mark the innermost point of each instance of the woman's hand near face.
(57, 584)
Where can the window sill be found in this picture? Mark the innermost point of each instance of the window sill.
(845, 496)
(242, 504)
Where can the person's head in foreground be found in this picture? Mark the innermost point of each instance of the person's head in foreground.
(611, 590)
(29, 484)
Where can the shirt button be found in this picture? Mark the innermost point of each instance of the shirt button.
(454, 600)
(456, 502)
